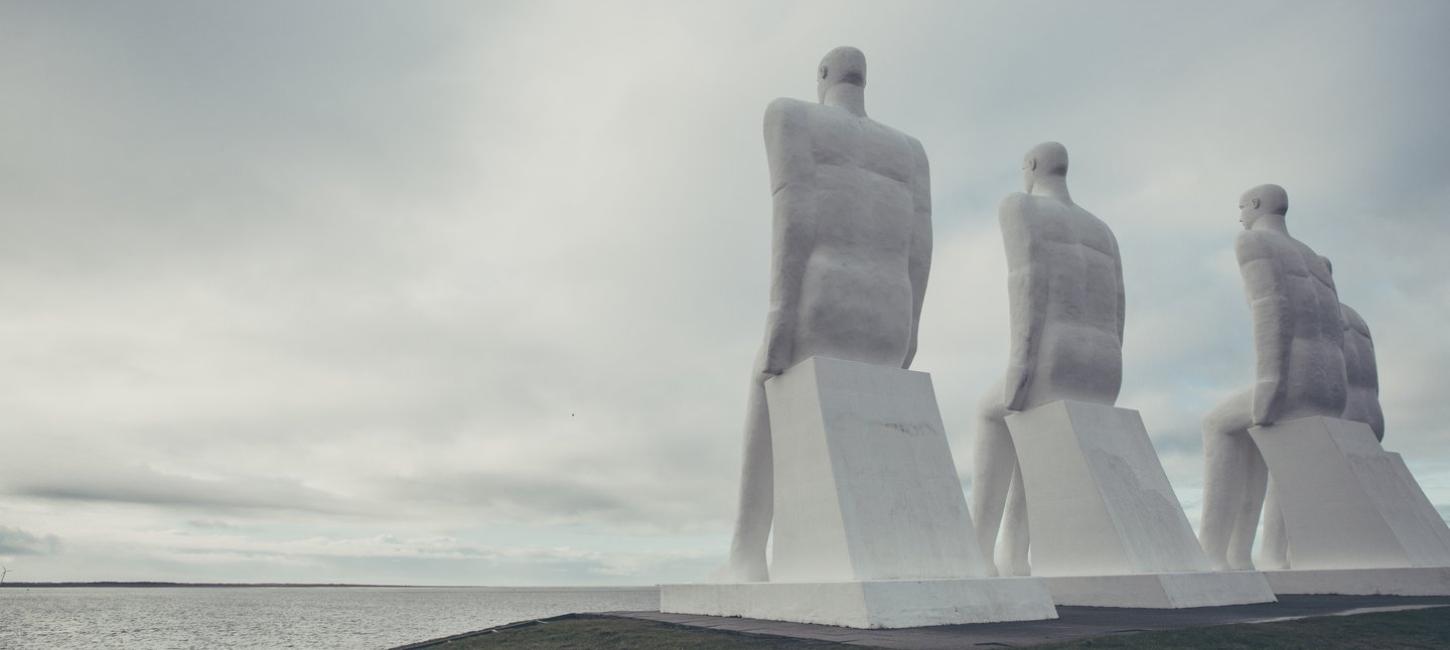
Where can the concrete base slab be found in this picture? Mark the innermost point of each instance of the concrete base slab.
(1162, 590)
(868, 604)
(1408, 581)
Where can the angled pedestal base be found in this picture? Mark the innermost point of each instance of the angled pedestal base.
(870, 526)
(868, 604)
(1347, 503)
(1162, 590)
(1106, 527)
(1409, 581)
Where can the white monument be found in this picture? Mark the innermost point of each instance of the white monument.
(845, 453)
(1105, 526)
(1347, 517)
(1362, 404)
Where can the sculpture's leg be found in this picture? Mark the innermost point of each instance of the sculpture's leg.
(1224, 442)
(992, 468)
(1015, 533)
(1274, 552)
(1246, 524)
(757, 492)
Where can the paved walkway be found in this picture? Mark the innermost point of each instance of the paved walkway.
(1074, 622)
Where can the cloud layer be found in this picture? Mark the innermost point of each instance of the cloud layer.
(469, 293)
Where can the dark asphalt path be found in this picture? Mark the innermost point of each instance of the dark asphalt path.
(1074, 622)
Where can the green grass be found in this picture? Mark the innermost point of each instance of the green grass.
(1425, 628)
(1421, 628)
(591, 633)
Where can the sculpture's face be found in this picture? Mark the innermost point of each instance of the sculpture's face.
(1248, 210)
(841, 65)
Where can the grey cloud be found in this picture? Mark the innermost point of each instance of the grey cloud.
(14, 541)
(142, 485)
(507, 263)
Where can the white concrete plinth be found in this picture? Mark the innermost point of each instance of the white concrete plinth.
(871, 528)
(1347, 503)
(1107, 529)
(865, 487)
(868, 604)
(1161, 590)
(1404, 581)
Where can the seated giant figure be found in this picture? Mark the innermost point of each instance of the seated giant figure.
(849, 261)
(1065, 286)
(1362, 404)
(1300, 371)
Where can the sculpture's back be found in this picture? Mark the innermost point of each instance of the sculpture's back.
(846, 199)
(1079, 356)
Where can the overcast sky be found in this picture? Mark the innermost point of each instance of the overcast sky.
(469, 293)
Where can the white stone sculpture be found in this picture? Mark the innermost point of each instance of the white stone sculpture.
(845, 452)
(849, 261)
(1362, 401)
(1065, 284)
(1362, 404)
(1106, 528)
(1347, 515)
(871, 529)
(1298, 334)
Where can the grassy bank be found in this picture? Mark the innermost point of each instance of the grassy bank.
(1426, 628)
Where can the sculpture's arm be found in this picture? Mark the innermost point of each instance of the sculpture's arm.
(919, 262)
(1273, 326)
(1371, 379)
(1353, 322)
(788, 154)
(1027, 299)
(1122, 293)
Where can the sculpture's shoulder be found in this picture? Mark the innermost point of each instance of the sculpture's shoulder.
(1254, 245)
(786, 108)
(1353, 321)
(1014, 207)
(787, 119)
(918, 152)
(1090, 228)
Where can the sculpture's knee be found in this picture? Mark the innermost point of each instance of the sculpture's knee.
(992, 407)
(1231, 417)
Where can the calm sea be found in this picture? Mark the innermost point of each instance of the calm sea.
(281, 617)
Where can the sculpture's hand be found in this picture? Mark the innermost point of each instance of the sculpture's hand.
(1268, 398)
(1015, 388)
(778, 352)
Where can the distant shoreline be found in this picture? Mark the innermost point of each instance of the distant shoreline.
(143, 584)
(147, 583)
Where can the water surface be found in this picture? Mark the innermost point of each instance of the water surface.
(281, 617)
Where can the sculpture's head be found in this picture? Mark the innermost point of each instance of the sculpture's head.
(1044, 160)
(843, 65)
(1262, 200)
